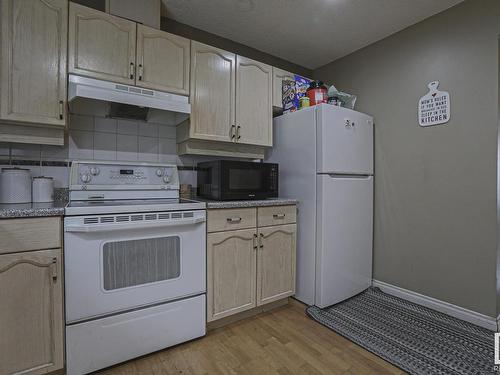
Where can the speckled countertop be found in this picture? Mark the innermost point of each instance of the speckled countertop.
(248, 203)
(9, 211)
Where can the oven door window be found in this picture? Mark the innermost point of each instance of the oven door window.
(137, 262)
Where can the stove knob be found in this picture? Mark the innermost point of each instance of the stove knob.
(166, 179)
(86, 178)
(159, 172)
(94, 171)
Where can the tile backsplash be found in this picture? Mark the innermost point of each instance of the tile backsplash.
(92, 137)
(101, 138)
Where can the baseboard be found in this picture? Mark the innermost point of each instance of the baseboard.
(438, 305)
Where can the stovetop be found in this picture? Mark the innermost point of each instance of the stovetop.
(96, 207)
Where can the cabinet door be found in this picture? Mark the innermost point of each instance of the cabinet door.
(212, 93)
(276, 263)
(254, 112)
(279, 76)
(162, 61)
(31, 312)
(33, 61)
(231, 267)
(101, 45)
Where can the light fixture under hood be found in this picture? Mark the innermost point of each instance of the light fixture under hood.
(129, 96)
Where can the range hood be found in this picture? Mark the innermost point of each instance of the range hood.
(126, 101)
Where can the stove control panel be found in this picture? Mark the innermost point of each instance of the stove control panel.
(121, 176)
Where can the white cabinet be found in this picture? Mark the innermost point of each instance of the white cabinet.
(276, 263)
(212, 93)
(231, 264)
(33, 62)
(249, 267)
(254, 113)
(162, 61)
(231, 103)
(101, 45)
(31, 296)
(111, 48)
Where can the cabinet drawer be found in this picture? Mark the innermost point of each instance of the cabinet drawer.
(231, 219)
(277, 215)
(29, 234)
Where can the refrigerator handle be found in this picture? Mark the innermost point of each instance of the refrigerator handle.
(349, 176)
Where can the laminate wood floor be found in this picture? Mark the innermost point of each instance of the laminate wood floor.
(278, 342)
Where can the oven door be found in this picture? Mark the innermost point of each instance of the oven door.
(248, 180)
(122, 262)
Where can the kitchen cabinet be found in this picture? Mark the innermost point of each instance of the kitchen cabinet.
(162, 61)
(276, 263)
(115, 49)
(251, 267)
(231, 264)
(231, 100)
(101, 45)
(212, 93)
(279, 75)
(33, 64)
(254, 113)
(31, 341)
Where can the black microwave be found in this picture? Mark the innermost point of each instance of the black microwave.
(232, 180)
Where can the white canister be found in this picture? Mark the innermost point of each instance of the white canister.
(43, 189)
(15, 185)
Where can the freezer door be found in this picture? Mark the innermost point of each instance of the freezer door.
(344, 141)
(344, 237)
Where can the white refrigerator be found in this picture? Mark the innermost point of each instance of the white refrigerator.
(325, 156)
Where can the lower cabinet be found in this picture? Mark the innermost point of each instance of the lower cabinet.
(31, 312)
(248, 267)
(276, 263)
(231, 264)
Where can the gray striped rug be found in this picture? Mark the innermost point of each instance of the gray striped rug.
(414, 338)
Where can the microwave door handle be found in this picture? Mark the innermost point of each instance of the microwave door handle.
(93, 228)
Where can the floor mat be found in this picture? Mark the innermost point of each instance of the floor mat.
(417, 339)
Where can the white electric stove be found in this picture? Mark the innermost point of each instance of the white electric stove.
(135, 263)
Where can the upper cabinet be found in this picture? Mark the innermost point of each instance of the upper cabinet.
(107, 47)
(212, 93)
(279, 76)
(254, 85)
(33, 62)
(101, 45)
(162, 60)
(231, 102)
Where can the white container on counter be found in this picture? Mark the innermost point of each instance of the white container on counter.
(15, 185)
(43, 189)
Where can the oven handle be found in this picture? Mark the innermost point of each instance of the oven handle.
(76, 228)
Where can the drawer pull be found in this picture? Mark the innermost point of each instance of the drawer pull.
(234, 220)
(261, 245)
(278, 216)
(255, 241)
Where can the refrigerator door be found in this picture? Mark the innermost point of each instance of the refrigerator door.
(344, 237)
(344, 141)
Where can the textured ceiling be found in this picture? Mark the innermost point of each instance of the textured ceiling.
(310, 33)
